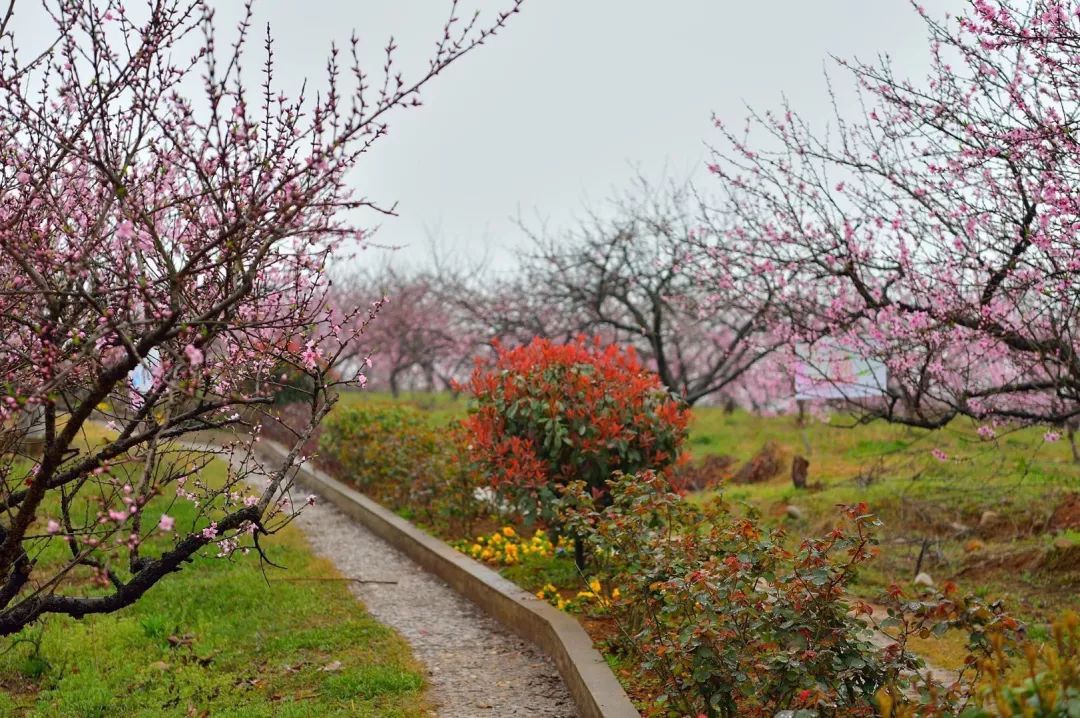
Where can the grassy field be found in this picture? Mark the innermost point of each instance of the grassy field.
(219, 639)
(1000, 517)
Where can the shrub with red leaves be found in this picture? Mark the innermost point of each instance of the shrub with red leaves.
(546, 414)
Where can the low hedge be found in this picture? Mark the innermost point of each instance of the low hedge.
(395, 455)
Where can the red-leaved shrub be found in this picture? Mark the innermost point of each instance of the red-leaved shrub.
(545, 414)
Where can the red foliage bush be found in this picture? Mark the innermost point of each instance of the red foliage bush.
(546, 414)
(729, 619)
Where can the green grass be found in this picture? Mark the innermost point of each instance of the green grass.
(217, 639)
(892, 468)
(1018, 476)
(886, 465)
(841, 448)
(536, 571)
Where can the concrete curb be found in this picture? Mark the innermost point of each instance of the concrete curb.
(592, 685)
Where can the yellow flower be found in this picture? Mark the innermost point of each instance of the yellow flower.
(508, 531)
(615, 593)
(594, 584)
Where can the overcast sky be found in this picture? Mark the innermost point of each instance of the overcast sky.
(560, 109)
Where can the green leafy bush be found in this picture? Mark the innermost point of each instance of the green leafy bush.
(393, 454)
(733, 620)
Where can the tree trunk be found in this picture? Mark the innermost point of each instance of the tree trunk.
(800, 468)
(579, 553)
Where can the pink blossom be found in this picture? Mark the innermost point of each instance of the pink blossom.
(125, 230)
(310, 357)
(144, 238)
(1051, 436)
(939, 454)
(194, 355)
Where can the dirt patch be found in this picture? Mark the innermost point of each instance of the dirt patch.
(1061, 558)
(708, 473)
(1067, 514)
(765, 464)
(642, 687)
(1004, 561)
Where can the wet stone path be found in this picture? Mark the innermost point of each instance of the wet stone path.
(476, 668)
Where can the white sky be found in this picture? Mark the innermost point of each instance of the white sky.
(562, 107)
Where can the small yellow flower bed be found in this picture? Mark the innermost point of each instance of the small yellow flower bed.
(595, 598)
(506, 548)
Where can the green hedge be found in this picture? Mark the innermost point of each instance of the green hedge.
(396, 456)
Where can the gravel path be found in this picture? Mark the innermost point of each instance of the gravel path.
(476, 668)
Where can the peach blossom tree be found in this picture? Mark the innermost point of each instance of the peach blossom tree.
(165, 234)
(934, 228)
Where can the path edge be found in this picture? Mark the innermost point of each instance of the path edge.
(592, 685)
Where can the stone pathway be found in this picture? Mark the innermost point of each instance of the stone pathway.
(476, 668)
